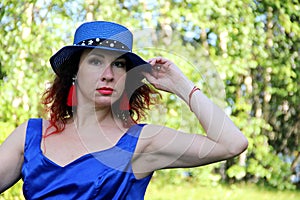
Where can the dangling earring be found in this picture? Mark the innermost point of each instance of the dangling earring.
(72, 96)
(124, 102)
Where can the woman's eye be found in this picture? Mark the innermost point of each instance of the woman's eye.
(95, 61)
(119, 64)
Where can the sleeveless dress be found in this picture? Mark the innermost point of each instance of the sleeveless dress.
(105, 174)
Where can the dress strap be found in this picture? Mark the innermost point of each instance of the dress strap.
(129, 141)
(34, 133)
(124, 150)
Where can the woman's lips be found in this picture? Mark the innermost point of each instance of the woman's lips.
(105, 90)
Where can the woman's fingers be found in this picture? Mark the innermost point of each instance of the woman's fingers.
(164, 74)
(152, 79)
(159, 66)
(158, 60)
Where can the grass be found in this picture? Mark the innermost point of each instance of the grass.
(188, 191)
(233, 192)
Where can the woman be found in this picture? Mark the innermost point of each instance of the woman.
(92, 147)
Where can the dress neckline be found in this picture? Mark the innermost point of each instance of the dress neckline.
(82, 157)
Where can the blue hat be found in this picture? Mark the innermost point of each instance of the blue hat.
(99, 35)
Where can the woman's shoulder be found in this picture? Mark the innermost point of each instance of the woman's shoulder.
(20, 130)
(18, 135)
(36, 121)
(151, 130)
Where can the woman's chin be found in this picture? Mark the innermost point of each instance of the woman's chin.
(103, 103)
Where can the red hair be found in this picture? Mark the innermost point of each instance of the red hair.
(55, 97)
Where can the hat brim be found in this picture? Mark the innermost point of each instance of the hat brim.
(68, 55)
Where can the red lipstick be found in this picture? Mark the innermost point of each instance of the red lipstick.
(105, 90)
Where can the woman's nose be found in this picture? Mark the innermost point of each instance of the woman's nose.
(107, 74)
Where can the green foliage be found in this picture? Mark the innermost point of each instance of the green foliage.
(242, 54)
(13, 193)
(198, 176)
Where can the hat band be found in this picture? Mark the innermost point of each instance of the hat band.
(103, 43)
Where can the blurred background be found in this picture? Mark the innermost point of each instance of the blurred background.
(242, 54)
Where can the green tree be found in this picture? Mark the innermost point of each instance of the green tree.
(30, 34)
(243, 54)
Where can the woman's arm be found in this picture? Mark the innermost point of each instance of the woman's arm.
(162, 147)
(11, 157)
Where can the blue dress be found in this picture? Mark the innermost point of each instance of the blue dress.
(105, 174)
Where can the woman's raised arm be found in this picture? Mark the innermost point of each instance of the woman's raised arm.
(163, 147)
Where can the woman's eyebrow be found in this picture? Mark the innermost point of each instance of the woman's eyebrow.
(120, 58)
(103, 56)
(97, 54)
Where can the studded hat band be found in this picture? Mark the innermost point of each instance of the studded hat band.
(103, 43)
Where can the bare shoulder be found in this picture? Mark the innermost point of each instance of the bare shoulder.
(17, 138)
(163, 147)
(142, 159)
(151, 132)
(19, 134)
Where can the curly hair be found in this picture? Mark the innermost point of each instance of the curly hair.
(55, 97)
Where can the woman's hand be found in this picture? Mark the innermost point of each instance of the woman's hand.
(168, 77)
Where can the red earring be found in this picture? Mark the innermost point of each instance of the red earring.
(72, 96)
(124, 102)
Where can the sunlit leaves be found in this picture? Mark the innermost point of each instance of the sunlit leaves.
(242, 54)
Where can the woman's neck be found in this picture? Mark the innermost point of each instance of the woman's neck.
(84, 117)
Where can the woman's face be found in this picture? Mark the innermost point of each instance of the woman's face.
(101, 77)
